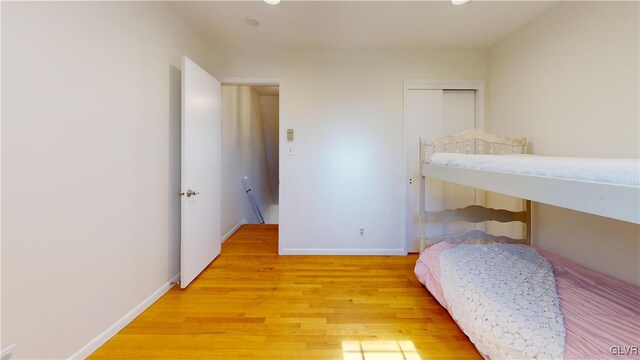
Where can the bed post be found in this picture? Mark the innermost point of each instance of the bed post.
(422, 200)
(527, 225)
(526, 149)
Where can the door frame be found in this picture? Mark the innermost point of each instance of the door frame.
(279, 82)
(436, 84)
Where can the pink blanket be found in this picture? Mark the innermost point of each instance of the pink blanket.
(601, 314)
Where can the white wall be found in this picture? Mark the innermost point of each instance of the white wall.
(346, 107)
(270, 121)
(243, 154)
(569, 81)
(90, 165)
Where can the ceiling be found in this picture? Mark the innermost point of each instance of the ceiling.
(359, 24)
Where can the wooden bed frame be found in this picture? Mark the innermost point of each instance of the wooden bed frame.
(610, 200)
(476, 142)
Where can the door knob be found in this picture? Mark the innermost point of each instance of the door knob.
(191, 193)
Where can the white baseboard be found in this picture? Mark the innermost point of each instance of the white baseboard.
(7, 353)
(271, 214)
(94, 344)
(305, 251)
(234, 229)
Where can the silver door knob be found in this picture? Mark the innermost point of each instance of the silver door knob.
(191, 193)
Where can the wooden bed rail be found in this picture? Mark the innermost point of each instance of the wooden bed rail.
(476, 214)
(477, 236)
(474, 141)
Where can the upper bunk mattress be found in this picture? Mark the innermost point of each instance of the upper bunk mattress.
(610, 171)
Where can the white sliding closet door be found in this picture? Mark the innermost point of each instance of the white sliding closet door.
(459, 115)
(433, 113)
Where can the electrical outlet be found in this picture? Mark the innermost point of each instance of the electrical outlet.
(361, 232)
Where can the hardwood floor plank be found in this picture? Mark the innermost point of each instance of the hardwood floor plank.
(251, 303)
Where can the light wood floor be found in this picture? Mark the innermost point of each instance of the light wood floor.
(251, 303)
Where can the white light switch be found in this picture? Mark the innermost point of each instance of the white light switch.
(291, 149)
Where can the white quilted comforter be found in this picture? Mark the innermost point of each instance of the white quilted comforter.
(504, 298)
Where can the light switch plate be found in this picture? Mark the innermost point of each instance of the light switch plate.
(290, 135)
(291, 150)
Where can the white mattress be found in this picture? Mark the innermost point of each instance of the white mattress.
(611, 171)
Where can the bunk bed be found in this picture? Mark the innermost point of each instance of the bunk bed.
(512, 300)
(605, 187)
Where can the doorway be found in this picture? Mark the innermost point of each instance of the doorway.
(250, 155)
(435, 109)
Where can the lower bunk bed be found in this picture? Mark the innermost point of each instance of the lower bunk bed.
(599, 315)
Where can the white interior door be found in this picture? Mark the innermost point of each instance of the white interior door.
(433, 113)
(201, 171)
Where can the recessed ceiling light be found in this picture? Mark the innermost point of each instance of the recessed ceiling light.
(272, 2)
(252, 21)
(456, 2)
